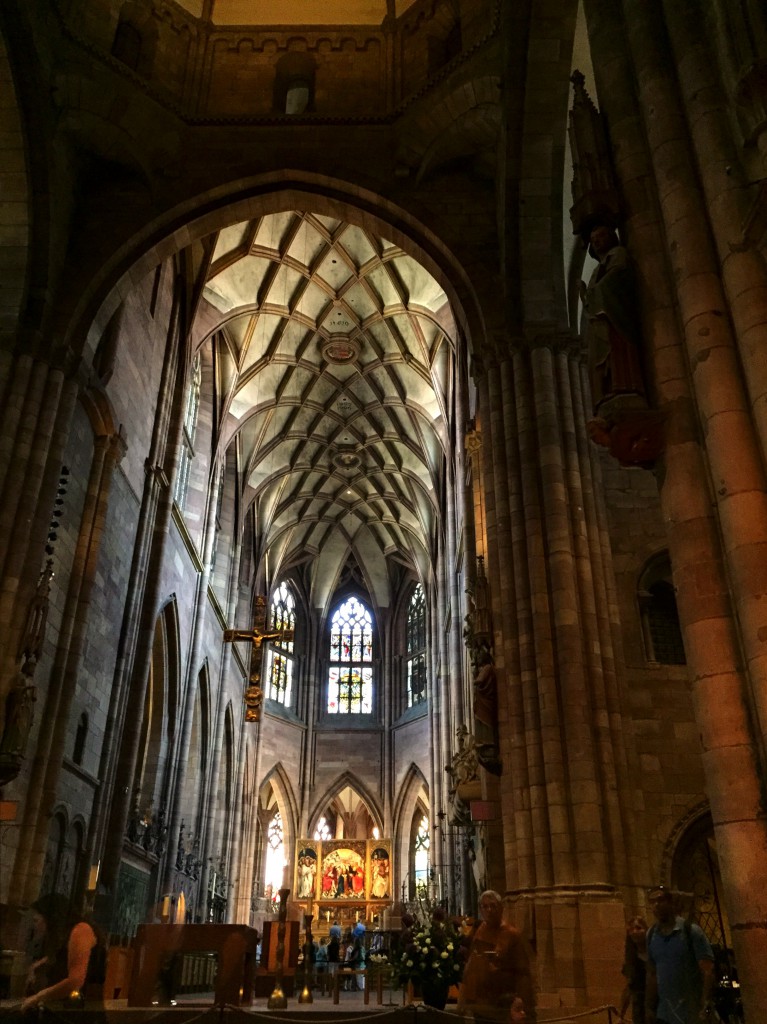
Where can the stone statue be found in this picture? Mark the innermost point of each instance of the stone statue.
(463, 768)
(18, 718)
(486, 714)
(611, 321)
(34, 632)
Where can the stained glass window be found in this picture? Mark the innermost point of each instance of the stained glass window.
(323, 829)
(350, 679)
(279, 675)
(416, 648)
(275, 856)
(421, 857)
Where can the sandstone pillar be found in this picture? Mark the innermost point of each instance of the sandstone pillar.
(567, 804)
(724, 699)
(44, 780)
(182, 767)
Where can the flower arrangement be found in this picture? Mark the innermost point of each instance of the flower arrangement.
(432, 951)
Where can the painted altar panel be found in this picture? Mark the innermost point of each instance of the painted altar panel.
(307, 874)
(379, 869)
(343, 874)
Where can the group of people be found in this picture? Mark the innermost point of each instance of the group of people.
(669, 967)
(342, 949)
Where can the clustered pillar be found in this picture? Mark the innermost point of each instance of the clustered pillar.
(567, 801)
(705, 326)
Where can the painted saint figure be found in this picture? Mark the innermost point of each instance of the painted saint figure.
(379, 864)
(307, 870)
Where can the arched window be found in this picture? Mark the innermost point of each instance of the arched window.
(80, 735)
(660, 618)
(416, 648)
(126, 46)
(421, 858)
(323, 829)
(190, 429)
(275, 855)
(350, 679)
(279, 674)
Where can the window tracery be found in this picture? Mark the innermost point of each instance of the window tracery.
(421, 858)
(416, 648)
(350, 677)
(188, 434)
(279, 675)
(274, 867)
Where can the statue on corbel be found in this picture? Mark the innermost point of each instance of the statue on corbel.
(477, 636)
(611, 326)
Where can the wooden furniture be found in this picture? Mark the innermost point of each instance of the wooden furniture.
(157, 945)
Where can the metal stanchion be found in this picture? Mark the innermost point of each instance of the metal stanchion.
(277, 1000)
(306, 991)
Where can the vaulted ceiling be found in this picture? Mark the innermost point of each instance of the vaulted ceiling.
(337, 381)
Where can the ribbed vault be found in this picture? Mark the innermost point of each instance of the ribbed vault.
(337, 355)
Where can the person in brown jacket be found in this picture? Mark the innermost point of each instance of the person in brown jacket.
(498, 967)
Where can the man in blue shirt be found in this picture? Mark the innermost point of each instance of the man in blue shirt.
(680, 966)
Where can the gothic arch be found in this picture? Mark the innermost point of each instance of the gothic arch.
(282, 788)
(333, 791)
(155, 761)
(692, 817)
(272, 192)
(412, 790)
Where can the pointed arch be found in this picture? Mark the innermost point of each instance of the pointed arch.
(153, 766)
(346, 780)
(285, 796)
(412, 797)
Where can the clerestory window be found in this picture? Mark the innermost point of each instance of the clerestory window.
(188, 433)
(416, 648)
(279, 673)
(350, 677)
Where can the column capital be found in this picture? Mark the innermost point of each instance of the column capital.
(555, 340)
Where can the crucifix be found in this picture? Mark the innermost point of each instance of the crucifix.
(254, 695)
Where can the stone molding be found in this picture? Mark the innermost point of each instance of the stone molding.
(180, 110)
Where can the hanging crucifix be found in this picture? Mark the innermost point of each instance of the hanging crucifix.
(254, 695)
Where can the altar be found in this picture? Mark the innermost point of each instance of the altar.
(344, 878)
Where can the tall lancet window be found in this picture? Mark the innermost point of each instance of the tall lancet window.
(190, 429)
(416, 648)
(275, 856)
(350, 679)
(421, 857)
(279, 675)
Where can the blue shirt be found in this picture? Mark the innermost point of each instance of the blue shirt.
(675, 958)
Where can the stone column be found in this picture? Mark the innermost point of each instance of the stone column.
(36, 426)
(134, 651)
(729, 199)
(211, 818)
(44, 780)
(717, 642)
(567, 804)
(182, 767)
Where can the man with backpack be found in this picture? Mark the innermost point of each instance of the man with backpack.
(680, 966)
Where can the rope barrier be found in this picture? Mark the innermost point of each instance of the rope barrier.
(418, 1009)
